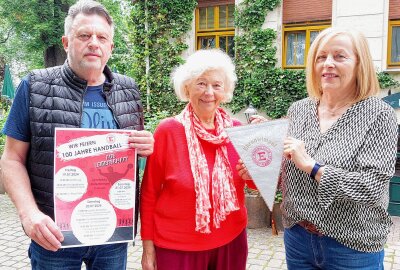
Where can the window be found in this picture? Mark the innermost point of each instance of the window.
(394, 44)
(215, 28)
(297, 41)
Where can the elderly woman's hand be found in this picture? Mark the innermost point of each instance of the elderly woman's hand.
(257, 119)
(149, 255)
(294, 150)
(242, 170)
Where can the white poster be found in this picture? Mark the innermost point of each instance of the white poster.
(94, 186)
(260, 146)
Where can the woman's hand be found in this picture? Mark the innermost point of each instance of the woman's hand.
(295, 151)
(257, 119)
(242, 170)
(149, 255)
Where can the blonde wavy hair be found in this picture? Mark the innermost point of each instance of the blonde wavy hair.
(366, 80)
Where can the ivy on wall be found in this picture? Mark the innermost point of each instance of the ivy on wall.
(260, 83)
(162, 43)
(386, 81)
(250, 14)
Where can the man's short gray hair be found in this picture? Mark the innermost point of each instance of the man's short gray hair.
(86, 7)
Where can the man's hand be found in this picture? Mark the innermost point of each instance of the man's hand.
(143, 141)
(42, 230)
(37, 226)
(149, 256)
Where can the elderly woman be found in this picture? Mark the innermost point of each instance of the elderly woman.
(340, 155)
(192, 200)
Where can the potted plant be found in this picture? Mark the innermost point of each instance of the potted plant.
(258, 215)
(276, 219)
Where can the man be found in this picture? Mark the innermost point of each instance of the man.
(81, 93)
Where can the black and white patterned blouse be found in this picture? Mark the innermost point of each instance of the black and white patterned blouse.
(359, 152)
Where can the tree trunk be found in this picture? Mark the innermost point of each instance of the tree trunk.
(54, 56)
(2, 69)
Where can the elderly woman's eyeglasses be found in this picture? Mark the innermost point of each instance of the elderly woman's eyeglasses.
(338, 58)
(215, 86)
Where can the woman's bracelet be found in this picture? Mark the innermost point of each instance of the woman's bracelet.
(315, 170)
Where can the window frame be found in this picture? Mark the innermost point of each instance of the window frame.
(390, 64)
(216, 31)
(307, 28)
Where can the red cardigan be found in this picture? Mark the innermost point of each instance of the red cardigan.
(167, 207)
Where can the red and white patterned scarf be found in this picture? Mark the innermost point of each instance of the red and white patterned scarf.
(223, 191)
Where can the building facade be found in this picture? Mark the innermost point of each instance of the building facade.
(297, 22)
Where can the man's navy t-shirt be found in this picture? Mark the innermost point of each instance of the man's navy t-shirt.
(96, 113)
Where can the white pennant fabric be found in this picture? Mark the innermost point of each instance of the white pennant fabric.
(260, 146)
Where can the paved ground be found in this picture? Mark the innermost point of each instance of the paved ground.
(265, 250)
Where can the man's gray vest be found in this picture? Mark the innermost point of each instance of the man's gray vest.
(56, 100)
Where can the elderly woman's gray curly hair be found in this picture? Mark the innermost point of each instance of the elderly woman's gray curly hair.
(200, 62)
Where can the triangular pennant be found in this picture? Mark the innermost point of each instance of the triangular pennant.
(260, 146)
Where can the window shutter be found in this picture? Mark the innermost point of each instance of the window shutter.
(209, 3)
(296, 11)
(394, 9)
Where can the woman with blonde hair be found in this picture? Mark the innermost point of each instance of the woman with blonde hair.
(339, 157)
